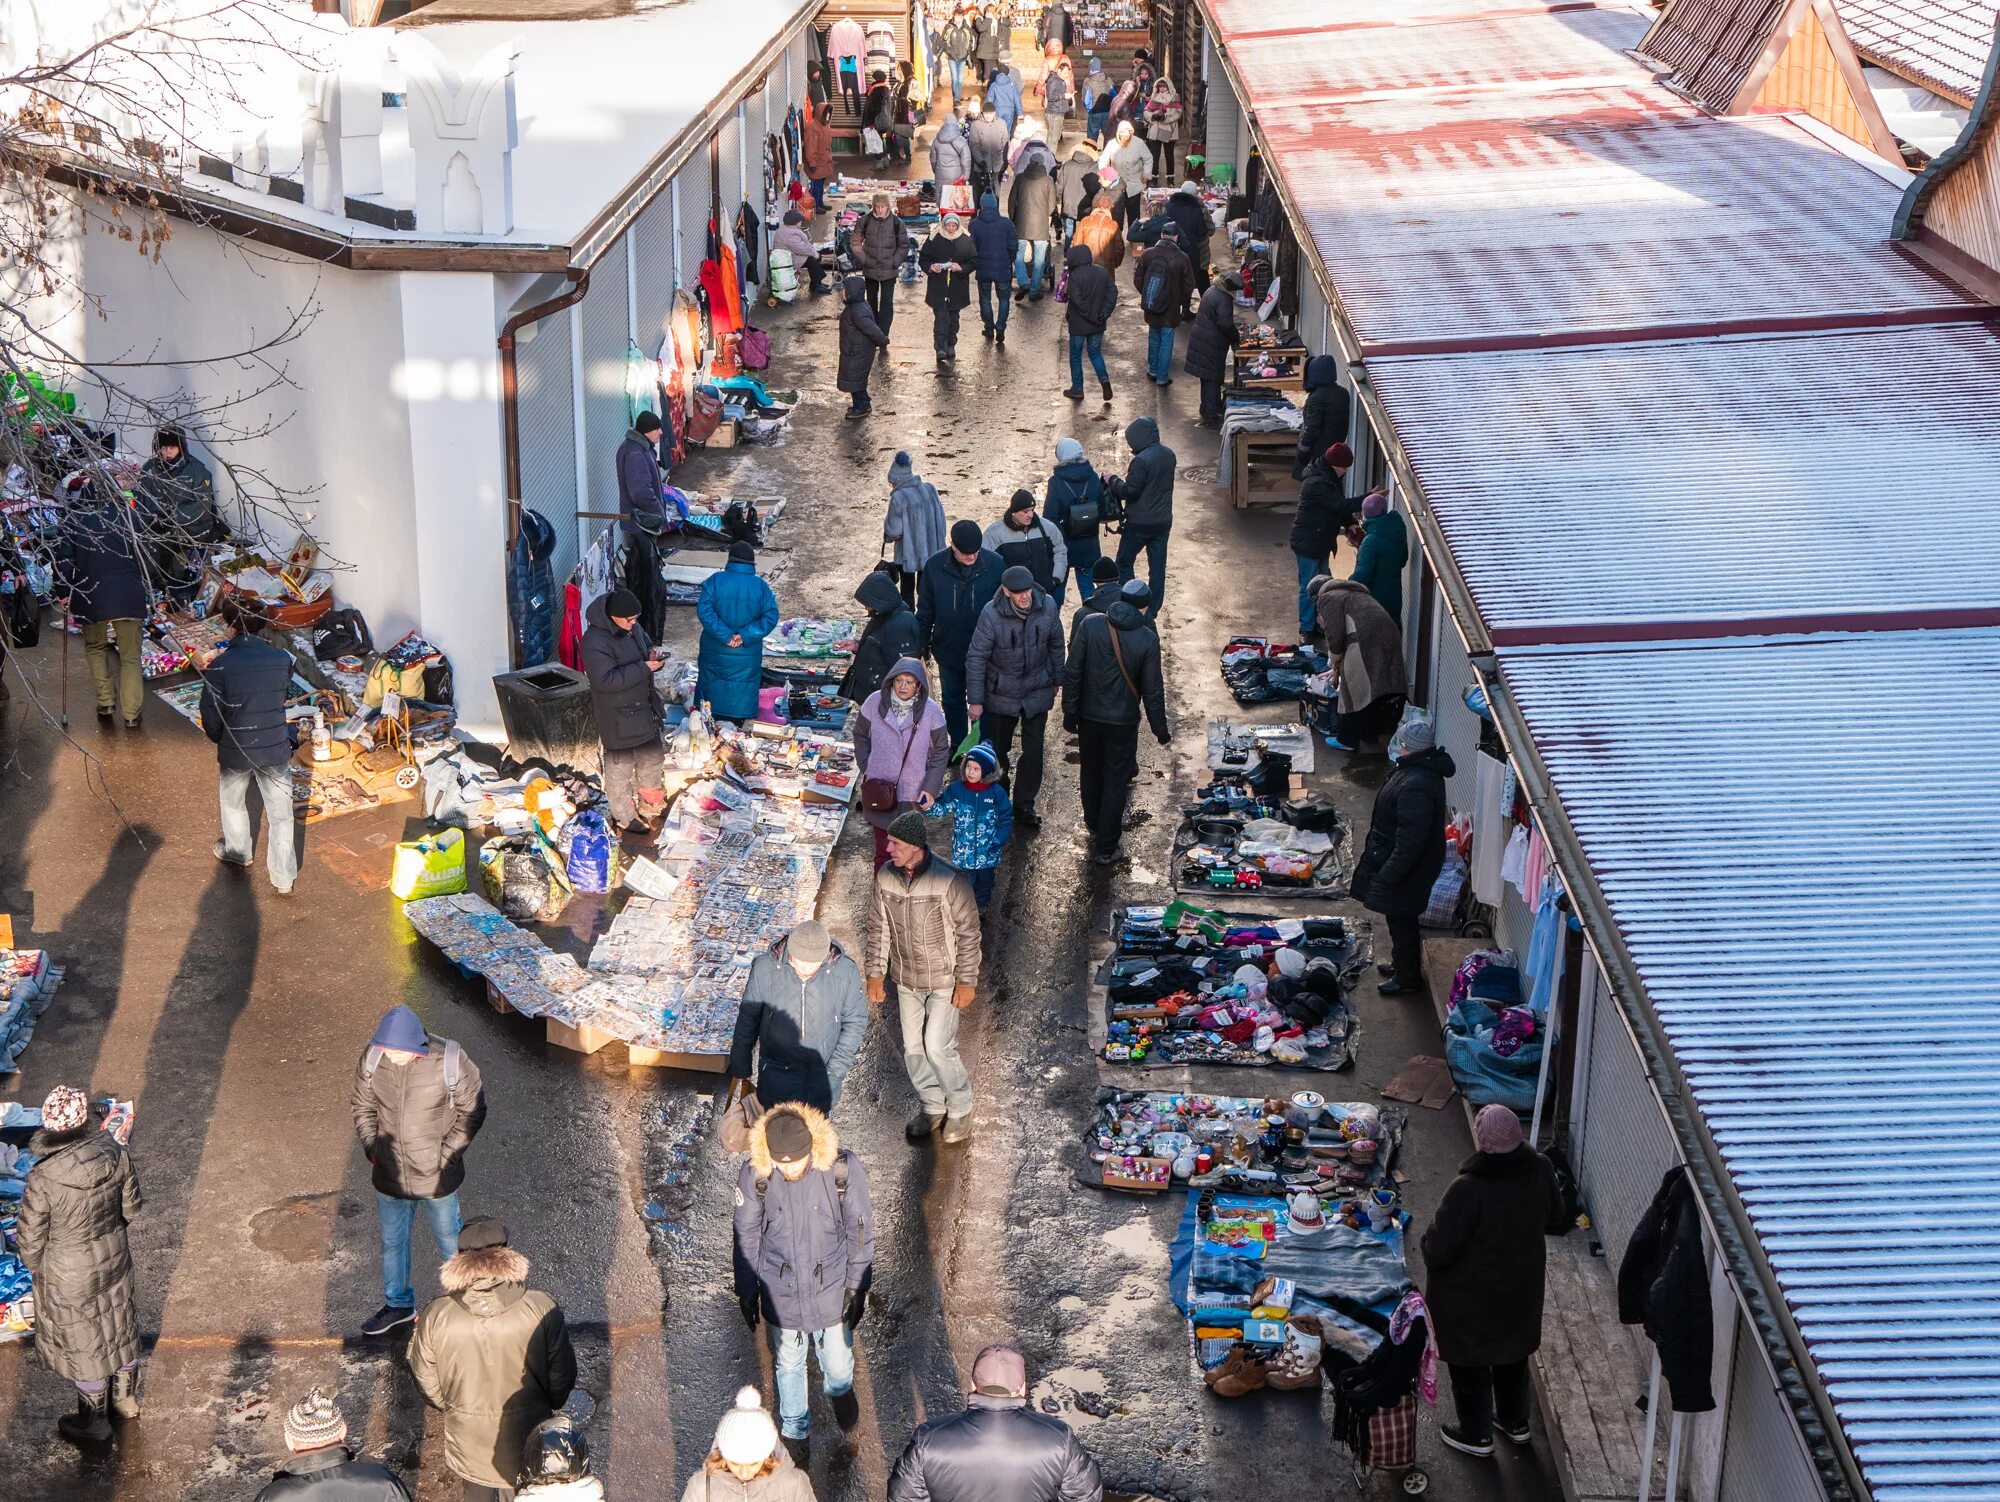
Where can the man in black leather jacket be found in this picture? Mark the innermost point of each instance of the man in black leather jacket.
(998, 1450)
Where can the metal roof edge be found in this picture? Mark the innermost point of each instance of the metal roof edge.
(1985, 114)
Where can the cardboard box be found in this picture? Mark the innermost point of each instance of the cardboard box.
(583, 1039)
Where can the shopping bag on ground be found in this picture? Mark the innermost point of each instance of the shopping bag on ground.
(431, 867)
(590, 853)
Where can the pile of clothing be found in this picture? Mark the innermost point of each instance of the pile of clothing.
(27, 983)
(1253, 412)
(1260, 671)
(1492, 1039)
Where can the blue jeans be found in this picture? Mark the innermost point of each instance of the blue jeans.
(1100, 121)
(957, 66)
(1079, 344)
(1159, 354)
(1081, 567)
(1028, 267)
(1153, 541)
(396, 1218)
(1004, 290)
(1309, 570)
(835, 1349)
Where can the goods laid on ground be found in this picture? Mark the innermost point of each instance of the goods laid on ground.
(1151, 1141)
(28, 982)
(1493, 1039)
(1261, 671)
(1240, 748)
(1246, 833)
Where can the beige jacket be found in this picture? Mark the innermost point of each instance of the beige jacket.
(1364, 642)
(923, 931)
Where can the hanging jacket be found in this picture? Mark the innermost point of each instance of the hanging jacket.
(951, 153)
(860, 337)
(1663, 1284)
(243, 704)
(1071, 485)
(622, 695)
(1379, 564)
(71, 1231)
(734, 602)
(1405, 847)
(570, 645)
(531, 589)
(982, 821)
(893, 632)
(1149, 478)
(804, 1031)
(1015, 662)
(950, 596)
(994, 241)
(1213, 334)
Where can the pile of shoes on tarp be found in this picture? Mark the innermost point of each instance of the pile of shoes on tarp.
(1261, 671)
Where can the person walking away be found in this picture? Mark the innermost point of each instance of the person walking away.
(1074, 503)
(1324, 513)
(1163, 113)
(1128, 157)
(955, 585)
(1091, 298)
(1404, 851)
(791, 237)
(803, 1018)
(1148, 499)
(1027, 146)
(1031, 204)
(816, 151)
(1210, 340)
(951, 154)
(998, 1448)
(1384, 553)
(1099, 232)
(805, 1247)
(746, 1463)
(638, 466)
(893, 632)
(1111, 679)
(70, 1231)
(1057, 91)
(1055, 26)
(1012, 672)
(982, 819)
(493, 1356)
(923, 931)
(860, 337)
(321, 1467)
(177, 502)
(902, 748)
(880, 242)
(555, 1465)
(737, 610)
(1022, 538)
(994, 243)
(914, 522)
(1076, 185)
(243, 711)
(1003, 97)
(1190, 217)
(100, 580)
(1326, 412)
(418, 1102)
(1485, 1267)
(958, 41)
(1366, 646)
(987, 139)
(949, 261)
(620, 660)
(877, 115)
(1165, 283)
(1095, 95)
(902, 130)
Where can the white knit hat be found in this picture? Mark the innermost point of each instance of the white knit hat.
(746, 1434)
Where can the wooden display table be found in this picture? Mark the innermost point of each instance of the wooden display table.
(1262, 472)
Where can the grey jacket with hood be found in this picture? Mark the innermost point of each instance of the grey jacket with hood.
(951, 153)
(806, 1033)
(412, 1127)
(1015, 663)
(915, 520)
(1149, 479)
(802, 1245)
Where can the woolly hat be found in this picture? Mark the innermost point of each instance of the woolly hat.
(987, 757)
(1068, 451)
(401, 1028)
(314, 1422)
(1290, 962)
(746, 1434)
(1412, 736)
(646, 423)
(1017, 578)
(742, 552)
(788, 1137)
(1021, 500)
(621, 604)
(64, 1109)
(910, 828)
(965, 535)
(809, 941)
(1104, 570)
(1339, 456)
(1496, 1129)
(1137, 591)
(1374, 504)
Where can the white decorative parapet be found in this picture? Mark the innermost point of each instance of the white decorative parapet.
(463, 130)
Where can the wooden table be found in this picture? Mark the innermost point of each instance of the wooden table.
(1266, 457)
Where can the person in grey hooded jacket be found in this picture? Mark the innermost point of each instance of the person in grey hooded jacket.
(951, 153)
(1012, 671)
(803, 1016)
(915, 522)
(1148, 493)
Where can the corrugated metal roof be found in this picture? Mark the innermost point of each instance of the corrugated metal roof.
(1942, 43)
(1711, 480)
(1712, 46)
(1237, 17)
(1795, 841)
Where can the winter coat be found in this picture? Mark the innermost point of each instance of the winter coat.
(893, 632)
(1071, 192)
(1325, 511)
(1213, 335)
(1095, 688)
(1484, 1259)
(923, 930)
(915, 521)
(1663, 1284)
(413, 1128)
(1162, 118)
(860, 337)
(1146, 233)
(531, 589)
(951, 153)
(1099, 234)
(780, 1481)
(1326, 412)
(639, 479)
(1365, 643)
(987, 47)
(816, 144)
(1055, 25)
(1003, 97)
(1055, 95)
(1132, 161)
(1379, 564)
(622, 695)
(734, 602)
(913, 758)
(998, 1450)
(334, 1475)
(1092, 292)
(243, 704)
(948, 262)
(1190, 217)
(879, 243)
(982, 821)
(493, 1356)
(793, 239)
(950, 596)
(987, 139)
(958, 40)
(100, 565)
(1405, 847)
(1168, 260)
(1149, 478)
(1072, 484)
(994, 241)
(1015, 663)
(178, 499)
(806, 1033)
(878, 108)
(1040, 550)
(79, 1198)
(802, 1245)
(1032, 203)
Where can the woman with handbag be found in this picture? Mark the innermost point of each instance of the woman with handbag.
(902, 747)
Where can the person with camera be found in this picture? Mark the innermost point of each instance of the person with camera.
(1077, 505)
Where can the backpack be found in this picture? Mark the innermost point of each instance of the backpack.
(1157, 295)
(453, 1057)
(839, 1185)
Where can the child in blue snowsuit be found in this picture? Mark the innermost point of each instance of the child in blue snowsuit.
(982, 819)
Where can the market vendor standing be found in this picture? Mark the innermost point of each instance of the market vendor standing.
(737, 611)
(177, 497)
(620, 660)
(803, 1018)
(639, 479)
(100, 573)
(243, 712)
(1405, 849)
(901, 745)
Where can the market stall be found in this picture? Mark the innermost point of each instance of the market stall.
(1153, 1141)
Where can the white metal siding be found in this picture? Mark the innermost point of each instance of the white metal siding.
(1313, 324)
(1761, 1457)
(694, 206)
(547, 432)
(1623, 1146)
(731, 137)
(653, 269)
(605, 343)
(1223, 113)
(1457, 726)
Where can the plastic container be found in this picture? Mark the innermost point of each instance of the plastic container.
(547, 716)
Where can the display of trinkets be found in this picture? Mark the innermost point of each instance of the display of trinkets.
(27, 984)
(1242, 1144)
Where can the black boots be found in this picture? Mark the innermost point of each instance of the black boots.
(91, 1423)
(1107, 389)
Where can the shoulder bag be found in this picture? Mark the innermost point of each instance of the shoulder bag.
(1118, 651)
(881, 794)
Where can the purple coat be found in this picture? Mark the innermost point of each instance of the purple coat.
(915, 758)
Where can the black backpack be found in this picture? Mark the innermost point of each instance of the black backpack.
(21, 617)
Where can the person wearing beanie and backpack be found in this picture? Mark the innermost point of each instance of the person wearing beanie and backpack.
(322, 1468)
(1110, 682)
(982, 819)
(998, 1450)
(1012, 672)
(805, 1246)
(418, 1102)
(1074, 504)
(746, 1463)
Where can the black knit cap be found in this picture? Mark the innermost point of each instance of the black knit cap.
(788, 1137)
(965, 536)
(621, 603)
(742, 552)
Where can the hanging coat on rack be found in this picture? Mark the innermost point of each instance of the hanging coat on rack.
(1663, 1284)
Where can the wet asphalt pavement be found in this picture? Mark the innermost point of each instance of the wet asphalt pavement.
(235, 1017)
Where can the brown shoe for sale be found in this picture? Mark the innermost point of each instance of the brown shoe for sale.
(1239, 1373)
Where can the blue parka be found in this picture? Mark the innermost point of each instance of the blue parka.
(734, 602)
(994, 240)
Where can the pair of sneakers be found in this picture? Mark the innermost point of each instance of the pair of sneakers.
(1457, 1438)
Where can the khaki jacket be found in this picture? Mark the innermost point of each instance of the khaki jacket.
(923, 930)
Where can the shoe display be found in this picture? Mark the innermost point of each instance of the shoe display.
(388, 1317)
(922, 1125)
(1239, 1373)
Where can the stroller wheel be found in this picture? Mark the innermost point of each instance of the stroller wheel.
(1416, 1482)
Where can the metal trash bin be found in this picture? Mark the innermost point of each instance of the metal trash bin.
(547, 715)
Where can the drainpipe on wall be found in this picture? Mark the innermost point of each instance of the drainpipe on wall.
(510, 413)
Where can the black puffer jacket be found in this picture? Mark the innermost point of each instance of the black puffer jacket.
(243, 704)
(1092, 293)
(893, 631)
(860, 337)
(950, 596)
(1096, 688)
(1484, 1260)
(879, 244)
(1149, 478)
(627, 705)
(1015, 661)
(412, 1127)
(995, 1451)
(80, 1196)
(1325, 509)
(1326, 415)
(1405, 849)
(1213, 334)
(1663, 1284)
(334, 1476)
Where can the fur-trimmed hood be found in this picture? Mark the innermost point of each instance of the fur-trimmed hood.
(825, 1141)
(488, 1266)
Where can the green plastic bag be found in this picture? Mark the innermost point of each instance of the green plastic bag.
(972, 738)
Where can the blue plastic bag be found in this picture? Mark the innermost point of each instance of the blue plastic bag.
(589, 866)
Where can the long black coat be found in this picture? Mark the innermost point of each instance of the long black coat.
(243, 704)
(1092, 293)
(1405, 849)
(1213, 334)
(622, 695)
(948, 261)
(100, 564)
(1663, 1284)
(1484, 1260)
(1191, 219)
(80, 1196)
(1326, 412)
(893, 632)
(860, 337)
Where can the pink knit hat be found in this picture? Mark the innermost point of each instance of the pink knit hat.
(1496, 1129)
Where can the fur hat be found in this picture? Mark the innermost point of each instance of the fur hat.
(746, 1434)
(314, 1422)
(910, 828)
